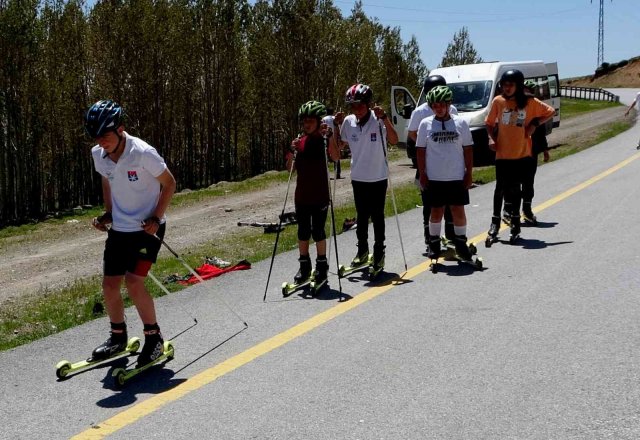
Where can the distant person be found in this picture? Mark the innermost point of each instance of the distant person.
(636, 103)
(363, 131)
(137, 187)
(539, 145)
(330, 121)
(312, 189)
(511, 121)
(417, 116)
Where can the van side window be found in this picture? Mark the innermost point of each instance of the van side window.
(401, 100)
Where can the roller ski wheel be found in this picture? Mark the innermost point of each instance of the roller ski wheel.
(315, 287)
(123, 375)
(475, 263)
(513, 238)
(375, 271)
(344, 271)
(530, 219)
(65, 368)
(434, 265)
(289, 288)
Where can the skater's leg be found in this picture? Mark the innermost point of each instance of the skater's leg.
(303, 217)
(426, 214)
(448, 223)
(141, 298)
(363, 211)
(377, 201)
(112, 299)
(528, 190)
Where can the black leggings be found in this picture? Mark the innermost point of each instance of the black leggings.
(311, 221)
(520, 175)
(369, 198)
(510, 175)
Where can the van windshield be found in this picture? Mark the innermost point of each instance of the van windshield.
(471, 96)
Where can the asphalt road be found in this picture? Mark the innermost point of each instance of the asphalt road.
(543, 344)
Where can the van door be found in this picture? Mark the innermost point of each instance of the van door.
(554, 89)
(402, 104)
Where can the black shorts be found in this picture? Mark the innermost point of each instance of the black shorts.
(441, 193)
(132, 252)
(311, 221)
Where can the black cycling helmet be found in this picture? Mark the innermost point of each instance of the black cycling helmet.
(358, 93)
(102, 117)
(433, 80)
(514, 76)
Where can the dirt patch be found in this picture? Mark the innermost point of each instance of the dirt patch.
(56, 255)
(625, 77)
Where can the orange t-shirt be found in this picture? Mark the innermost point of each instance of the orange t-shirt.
(512, 142)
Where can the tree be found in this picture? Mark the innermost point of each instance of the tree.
(460, 50)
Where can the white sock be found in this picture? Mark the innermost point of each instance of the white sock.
(460, 230)
(435, 228)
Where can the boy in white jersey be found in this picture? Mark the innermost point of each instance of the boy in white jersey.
(364, 131)
(137, 187)
(421, 112)
(445, 162)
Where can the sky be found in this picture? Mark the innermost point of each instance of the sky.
(565, 31)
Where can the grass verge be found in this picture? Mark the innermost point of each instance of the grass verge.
(49, 311)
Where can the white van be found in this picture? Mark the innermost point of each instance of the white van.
(474, 87)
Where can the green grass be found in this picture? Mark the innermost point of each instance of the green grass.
(46, 312)
(570, 107)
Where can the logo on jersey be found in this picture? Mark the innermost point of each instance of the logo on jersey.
(444, 137)
(133, 176)
(373, 137)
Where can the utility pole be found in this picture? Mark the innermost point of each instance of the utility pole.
(600, 34)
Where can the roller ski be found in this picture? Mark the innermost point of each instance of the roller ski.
(377, 263)
(302, 279)
(464, 253)
(361, 261)
(434, 252)
(449, 248)
(319, 277)
(492, 235)
(529, 218)
(514, 235)
(155, 351)
(105, 353)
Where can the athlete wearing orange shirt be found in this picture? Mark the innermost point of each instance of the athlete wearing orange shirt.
(511, 121)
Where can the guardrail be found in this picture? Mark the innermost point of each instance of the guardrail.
(592, 93)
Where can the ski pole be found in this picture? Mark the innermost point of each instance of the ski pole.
(332, 231)
(166, 291)
(275, 246)
(393, 196)
(198, 277)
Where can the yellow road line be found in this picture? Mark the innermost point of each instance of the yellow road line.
(136, 412)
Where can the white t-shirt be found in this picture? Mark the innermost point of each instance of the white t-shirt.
(424, 111)
(445, 155)
(329, 120)
(134, 188)
(368, 162)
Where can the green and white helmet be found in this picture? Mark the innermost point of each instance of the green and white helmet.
(439, 94)
(312, 109)
(530, 84)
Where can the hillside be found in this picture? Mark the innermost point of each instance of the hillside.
(625, 77)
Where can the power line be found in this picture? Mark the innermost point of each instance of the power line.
(600, 34)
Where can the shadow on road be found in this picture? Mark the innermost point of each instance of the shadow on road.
(541, 225)
(532, 243)
(155, 380)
